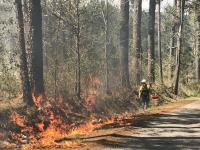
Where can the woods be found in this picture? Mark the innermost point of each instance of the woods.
(77, 61)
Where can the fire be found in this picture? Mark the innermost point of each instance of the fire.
(83, 129)
(18, 119)
(52, 126)
(40, 126)
(37, 100)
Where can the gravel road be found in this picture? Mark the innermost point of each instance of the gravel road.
(178, 130)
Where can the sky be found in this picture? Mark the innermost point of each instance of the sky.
(164, 3)
(145, 4)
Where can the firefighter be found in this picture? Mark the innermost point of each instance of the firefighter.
(144, 94)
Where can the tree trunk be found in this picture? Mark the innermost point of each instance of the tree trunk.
(197, 57)
(197, 68)
(172, 45)
(106, 50)
(78, 66)
(37, 47)
(27, 35)
(178, 13)
(159, 44)
(124, 43)
(56, 62)
(151, 51)
(181, 6)
(27, 96)
(137, 39)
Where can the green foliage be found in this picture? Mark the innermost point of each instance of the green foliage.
(191, 89)
(9, 84)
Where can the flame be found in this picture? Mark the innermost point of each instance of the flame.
(56, 130)
(52, 126)
(18, 119)
(40, 126)
(37, 100)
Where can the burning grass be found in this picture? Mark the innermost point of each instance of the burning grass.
(46, 138)
(40, 126)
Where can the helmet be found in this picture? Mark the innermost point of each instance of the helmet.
(143, 81)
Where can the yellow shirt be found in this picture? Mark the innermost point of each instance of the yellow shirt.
(141, 89)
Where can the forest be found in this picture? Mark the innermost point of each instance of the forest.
(69, 67)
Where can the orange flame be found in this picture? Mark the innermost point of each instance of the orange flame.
(18, 119)
(57, 128)
(37, 100)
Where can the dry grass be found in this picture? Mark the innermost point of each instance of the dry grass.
(11, 104)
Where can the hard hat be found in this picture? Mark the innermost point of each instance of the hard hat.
(143, 81)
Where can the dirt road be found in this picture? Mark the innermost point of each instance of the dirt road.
(178, 130)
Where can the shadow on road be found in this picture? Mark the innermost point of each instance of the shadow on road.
(153, 143)
(175, 131)
(146, 143)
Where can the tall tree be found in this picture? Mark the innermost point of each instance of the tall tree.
(197, 56)
(172, 42)
(78, 38)
(151, 51)
(37, 47)
(105, 18)
(27, 96)
(180, 10)
(124, 42)
(159, 43)
(137, 38)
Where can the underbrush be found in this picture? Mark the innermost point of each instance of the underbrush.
(109, 105)
(192, 89)
(165, 93)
